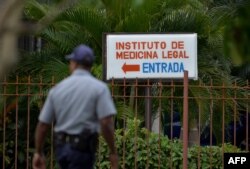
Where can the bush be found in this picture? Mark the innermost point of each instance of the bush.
(150, 150)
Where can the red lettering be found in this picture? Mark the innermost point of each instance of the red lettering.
(175, 54)
(119, 45)
(185, 56)
(181, 45)
(163, 45)
(119, 55)
(170, 54)
(174, 45)
(134, 45)
(127, 45)
(156, 45)
(177, 45)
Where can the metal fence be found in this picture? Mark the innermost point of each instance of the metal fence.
(217, 116)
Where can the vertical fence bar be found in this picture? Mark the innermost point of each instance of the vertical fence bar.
(112, 94)
(40, 93)
(28, 125)
(247, 117)
(112, 87)
(199, 127)
(4, 118)
(124, 125)
(211, 123)
(223, 121)
(52, 133)
(147, 123)
(148, 149)
(185, 121)
(16, 139)
(172, 109)
(148, 105)
(136, 116)
(160, 121)
(99, 155)
(235, 109)
(171, 120)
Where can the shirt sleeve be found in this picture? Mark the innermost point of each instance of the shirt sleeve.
(105, 104)
(47, 112)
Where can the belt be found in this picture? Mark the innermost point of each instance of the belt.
(67, 138)
(84, 142)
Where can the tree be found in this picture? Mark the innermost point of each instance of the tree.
(9, 20)
(13, 25)
(233, 20)
(213, 64)
(81, 24)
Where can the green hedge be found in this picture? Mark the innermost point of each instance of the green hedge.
(149, 149)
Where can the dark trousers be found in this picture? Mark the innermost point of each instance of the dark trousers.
(70, 158)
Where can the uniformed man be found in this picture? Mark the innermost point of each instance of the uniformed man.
(80, 106)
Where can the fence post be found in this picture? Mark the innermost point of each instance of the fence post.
(185, 120)
(148, 106)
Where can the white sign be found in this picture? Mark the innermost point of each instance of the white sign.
(153, 56)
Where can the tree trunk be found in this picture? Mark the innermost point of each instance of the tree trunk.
(193, 133)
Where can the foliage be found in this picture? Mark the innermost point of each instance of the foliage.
(214, 64)
(233, 18)
(138, 146)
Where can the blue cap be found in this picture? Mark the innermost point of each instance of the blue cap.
(82, 54)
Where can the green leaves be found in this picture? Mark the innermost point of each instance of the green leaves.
(137, 146)
(35, 10)
(89, 19)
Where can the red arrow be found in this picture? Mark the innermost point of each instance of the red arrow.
(131, 68)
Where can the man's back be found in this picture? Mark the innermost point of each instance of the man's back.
(75, 103)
